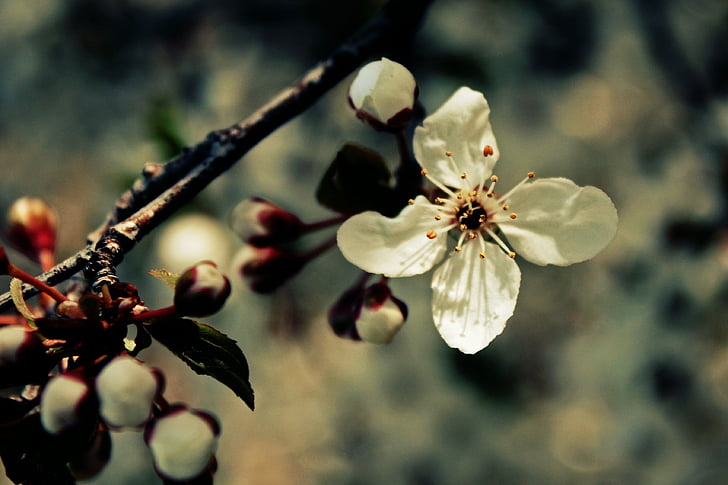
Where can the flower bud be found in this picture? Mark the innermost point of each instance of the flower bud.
(126, 389)
(65, 404)
(182, 443)
(32, 227)
(22, 356)
(372, 314)
(382, 315)
(265, 269)
(262, 223)
(201, 290)
(383, 94)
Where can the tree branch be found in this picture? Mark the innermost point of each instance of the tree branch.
(165, 188)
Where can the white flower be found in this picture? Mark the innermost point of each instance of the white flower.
(383, 93)
(547, 221)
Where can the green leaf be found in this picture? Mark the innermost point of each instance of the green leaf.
(207, 351)
(166, 277)
(357, 180)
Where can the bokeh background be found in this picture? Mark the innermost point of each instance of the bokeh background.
(613, 371)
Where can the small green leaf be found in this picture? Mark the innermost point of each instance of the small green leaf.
(357, 180)
(207, 351)
(166, 277)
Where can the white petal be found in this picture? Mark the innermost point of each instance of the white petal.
(560, 222)
(460, 126)
(393, 247)
(382, 89)
(473, 298)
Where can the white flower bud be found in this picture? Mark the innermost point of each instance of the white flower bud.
(383, 94)
(62, 403)
(382, 315)
(12, 338)
(201, 290)
(126, 390)
(182, 443)
(262, 223)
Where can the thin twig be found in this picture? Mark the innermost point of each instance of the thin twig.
(165, 188)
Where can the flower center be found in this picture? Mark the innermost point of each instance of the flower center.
(476, 211)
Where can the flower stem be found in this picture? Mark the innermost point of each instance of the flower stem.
(18, 273)
(323, 224)
(159, 313)
(314, 253)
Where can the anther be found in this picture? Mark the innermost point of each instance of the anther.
(487, 151)
(482, 255)
(511, 255)
(473, 235)
(506, 207)
(431, 234)
(513, 215)
(463, 175)
(481, 219)
(448, 154)
(438, 217)
(438, 200)
(531, 174)
(463, 227)
(489, 194)
(411, 202)
(493, 178)
(458, 249)
(460, 196)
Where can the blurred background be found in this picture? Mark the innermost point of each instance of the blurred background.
(612, 371)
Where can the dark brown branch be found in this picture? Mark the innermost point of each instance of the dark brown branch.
(166, 188)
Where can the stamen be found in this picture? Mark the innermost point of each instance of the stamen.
(487, 151)
(458, 249)
(472, 235)
(463, 227)
(459, 246)
(438, 217)
(505, 196)
(506, 207)
(493, 180)
(513, 215)
(463, 175)
(500, 242)
(411, 202)
(482, 255)
(448, 154)
(431, 234)
(436, 183)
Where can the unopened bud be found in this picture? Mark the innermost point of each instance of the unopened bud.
(382, 315)
(266, 269)
(64, 403)
(383, 94)
(126, 389)
(372, 314)
(201, 290)
(22, 356)
(262, 223)
(182, 443)
(32, 227)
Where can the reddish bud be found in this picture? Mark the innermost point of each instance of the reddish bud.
(22, 356)
(93, 457)
(262, 223)
(201, 290)
(32, 227)
(266, 269)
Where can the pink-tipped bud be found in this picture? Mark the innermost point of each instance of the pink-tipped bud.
(372, 314)
(32, 227)
(126, 389)
(22, 356)
(65, 404)
(183, 443)
(383, 94)
(266, 269)
(262, 223)
(201, 290)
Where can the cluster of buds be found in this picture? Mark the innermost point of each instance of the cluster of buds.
(126, 394)
(371, 314)
(268, 259)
